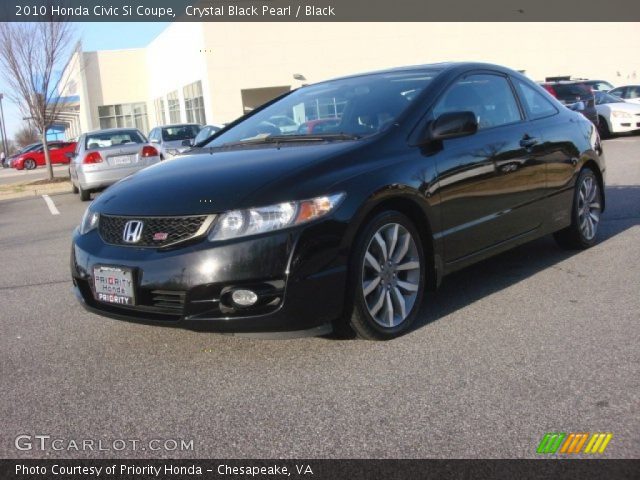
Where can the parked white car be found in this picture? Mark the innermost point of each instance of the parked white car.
(630, 93)
(616, 115)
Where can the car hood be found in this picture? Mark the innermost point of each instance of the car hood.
(218, 181)
(632, 108)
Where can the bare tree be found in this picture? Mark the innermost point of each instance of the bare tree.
(26, 136)
(34, 57)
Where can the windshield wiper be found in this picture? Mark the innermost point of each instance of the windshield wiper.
(293, 138)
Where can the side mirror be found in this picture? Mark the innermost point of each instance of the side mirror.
(187, 143)
(452, 125)
(70, 155)
(577, 107)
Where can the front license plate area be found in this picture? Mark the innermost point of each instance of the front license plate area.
(114, 285)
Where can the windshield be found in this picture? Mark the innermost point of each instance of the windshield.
(348, 108)
(205, 133)
(108, 139)
(179, 132)
(603, 98)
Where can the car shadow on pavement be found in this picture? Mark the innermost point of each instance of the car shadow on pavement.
(465, 287)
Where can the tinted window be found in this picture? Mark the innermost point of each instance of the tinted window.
(179, 132)
(205, 133)
(534, 101)
(488, 96)
(109, 139)
(572, 92)
(633, 92)
(364, 105)
(618, 92)
(604, 98)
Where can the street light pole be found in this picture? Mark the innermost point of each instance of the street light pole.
(3, 129)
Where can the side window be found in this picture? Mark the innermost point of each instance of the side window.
(633, 92)
(535, 103)
(488, 96)
(618, 92)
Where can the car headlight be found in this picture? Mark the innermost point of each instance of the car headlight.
(89, 221)
(619, 114)
(242, 223)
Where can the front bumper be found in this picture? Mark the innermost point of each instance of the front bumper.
(300, 277)
(624, 125)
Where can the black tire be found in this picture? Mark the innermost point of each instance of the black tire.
(85, 195)
(30, 164)
(74, 189)
(578, 236)
(358, 315)
(603, 128)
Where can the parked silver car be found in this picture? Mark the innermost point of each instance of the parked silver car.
(103, 157)
(171, 140)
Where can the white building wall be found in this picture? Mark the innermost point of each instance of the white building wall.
(175, 59)
(230, 57)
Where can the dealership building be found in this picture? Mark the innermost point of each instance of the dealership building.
(214, 72)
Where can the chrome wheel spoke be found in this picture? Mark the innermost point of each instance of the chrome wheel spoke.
(391, 275)
(389, 309)
(594, 206)
(408, 286)
(410, 265)
(372, 262)
(378, 305)
(404, 248)
(382, 245)
(371, 286)
(400, 301)
(393, 241)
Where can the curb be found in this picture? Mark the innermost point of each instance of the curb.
(35, 191)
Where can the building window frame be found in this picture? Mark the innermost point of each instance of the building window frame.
(194, 103)
(124, 115)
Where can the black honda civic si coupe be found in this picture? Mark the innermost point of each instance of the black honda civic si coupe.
(338, 204)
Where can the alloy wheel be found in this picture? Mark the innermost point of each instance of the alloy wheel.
(589, 207)
(29, 164)
(391, 275)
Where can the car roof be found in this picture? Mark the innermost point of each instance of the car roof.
(178, 125)
(441, 67)
(116, 129)
(564, 82)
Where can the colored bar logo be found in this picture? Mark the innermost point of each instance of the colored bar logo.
(573, 442)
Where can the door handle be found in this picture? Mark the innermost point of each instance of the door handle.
(528, 142)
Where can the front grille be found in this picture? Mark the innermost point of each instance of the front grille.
(169, 301)
(156, 231)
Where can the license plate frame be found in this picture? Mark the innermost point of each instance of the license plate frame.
(122, 160)
(114, 285)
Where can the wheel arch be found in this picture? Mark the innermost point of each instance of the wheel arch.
(592, 165)
(415, 208)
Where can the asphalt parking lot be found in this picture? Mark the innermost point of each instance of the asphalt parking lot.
(536, 340)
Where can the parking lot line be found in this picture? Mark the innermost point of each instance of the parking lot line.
(51, 205)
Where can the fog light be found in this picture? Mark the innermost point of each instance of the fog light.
(244, 298)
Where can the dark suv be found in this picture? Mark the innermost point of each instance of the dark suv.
(576, 95)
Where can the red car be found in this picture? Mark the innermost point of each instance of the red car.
(35, 158)
(319, 125)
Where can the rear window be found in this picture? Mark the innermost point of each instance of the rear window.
(179, 132)
(570, 92)
(110, 139)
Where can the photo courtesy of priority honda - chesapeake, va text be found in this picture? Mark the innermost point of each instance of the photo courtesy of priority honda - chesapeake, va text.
(335, 206)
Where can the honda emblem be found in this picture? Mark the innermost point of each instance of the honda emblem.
(132, 231)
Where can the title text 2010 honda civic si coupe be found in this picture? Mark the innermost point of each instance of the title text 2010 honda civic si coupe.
(429, 169)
